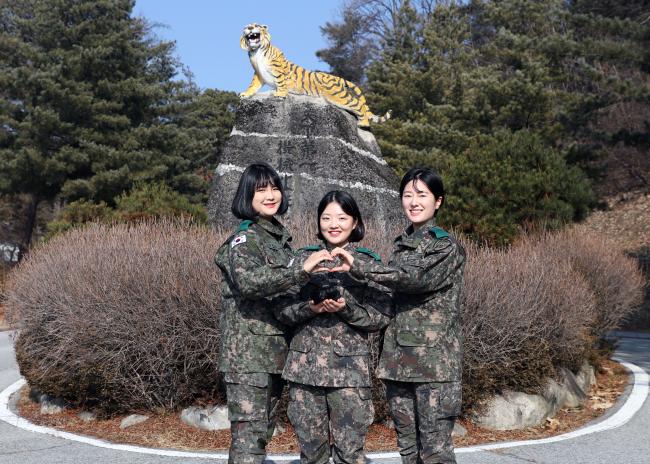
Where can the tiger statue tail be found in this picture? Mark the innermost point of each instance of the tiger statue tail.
(359, 106)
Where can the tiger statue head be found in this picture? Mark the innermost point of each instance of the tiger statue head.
(255, 36)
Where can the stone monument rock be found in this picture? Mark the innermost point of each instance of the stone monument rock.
(315, 147)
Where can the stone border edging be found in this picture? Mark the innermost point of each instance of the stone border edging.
(632, 404)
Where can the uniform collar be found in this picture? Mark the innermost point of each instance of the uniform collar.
(412, 239)
(275, 228)
(348, 246)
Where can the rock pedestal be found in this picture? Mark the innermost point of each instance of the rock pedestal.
(315, 147)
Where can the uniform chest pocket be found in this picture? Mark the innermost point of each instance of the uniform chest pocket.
(423, 335)
(408, 256)
(276, 256)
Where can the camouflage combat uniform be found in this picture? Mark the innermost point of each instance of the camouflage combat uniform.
(422, 352)
(328, 367)
(256, 262)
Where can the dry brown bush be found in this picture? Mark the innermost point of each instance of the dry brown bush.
(614, 277)
(523, 314)
(120, 317)
(541, 304)
(125, 316)
(640, 319)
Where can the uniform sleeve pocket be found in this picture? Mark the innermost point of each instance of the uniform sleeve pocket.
(276, 259)
(424, 335)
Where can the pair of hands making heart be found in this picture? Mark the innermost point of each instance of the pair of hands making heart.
(338, 260)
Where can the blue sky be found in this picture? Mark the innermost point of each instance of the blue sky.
(207, 34)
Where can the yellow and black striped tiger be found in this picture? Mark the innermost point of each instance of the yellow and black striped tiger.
(273, 69)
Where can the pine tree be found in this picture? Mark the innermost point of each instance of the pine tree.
(351, 46)
(466, 79)
(509, 181)
(91, 103)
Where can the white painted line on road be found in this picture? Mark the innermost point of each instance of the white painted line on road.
(633, 403)
(9, 417)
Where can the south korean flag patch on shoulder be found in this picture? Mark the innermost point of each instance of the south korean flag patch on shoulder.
(238, 240)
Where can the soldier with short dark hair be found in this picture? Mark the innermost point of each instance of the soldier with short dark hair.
(257, 264)
(421, 359)
(328, 366)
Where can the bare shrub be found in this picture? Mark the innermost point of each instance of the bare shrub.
(614, 278)
(120, 317)
(125, 316)
(640, 319)
(523, 314)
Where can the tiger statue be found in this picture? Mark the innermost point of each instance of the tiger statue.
(273, 69)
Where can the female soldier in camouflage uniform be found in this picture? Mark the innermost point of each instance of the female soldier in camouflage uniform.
(328, 362)
(256, 262)
(422, 353)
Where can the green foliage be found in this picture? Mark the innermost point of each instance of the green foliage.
(144, 202)
(91, 104)
(350, 53)
(504, 98)
(76, 214)
(156, 201)
(513, 180)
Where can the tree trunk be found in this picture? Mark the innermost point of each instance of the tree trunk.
(32, 209)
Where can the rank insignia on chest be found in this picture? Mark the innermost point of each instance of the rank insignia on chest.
(238, 240)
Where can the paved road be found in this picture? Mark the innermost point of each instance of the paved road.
(629, 444)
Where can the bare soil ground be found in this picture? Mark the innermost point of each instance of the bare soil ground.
(168, 431)
(626, 218)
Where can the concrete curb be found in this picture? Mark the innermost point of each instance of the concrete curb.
(628, 409)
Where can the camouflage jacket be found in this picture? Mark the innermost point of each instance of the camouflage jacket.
(331, 349)
(256, 263)
(423, 343)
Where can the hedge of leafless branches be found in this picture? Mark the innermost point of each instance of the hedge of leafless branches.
(540, 304)
(523, 313)
(614, 278)
(125, 316)
(121, 316)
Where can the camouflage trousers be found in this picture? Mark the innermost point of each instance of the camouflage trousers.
(424, 416)
(337, 415)
(252, 408)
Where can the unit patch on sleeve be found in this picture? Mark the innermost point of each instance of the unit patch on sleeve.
(238, 240)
